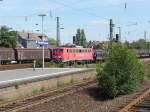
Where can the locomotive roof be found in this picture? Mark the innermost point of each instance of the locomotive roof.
(70, 48)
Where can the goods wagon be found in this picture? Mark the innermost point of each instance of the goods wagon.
(72, 54)
(101, 54)
(141, 53)
(25, 54)
(7, 55)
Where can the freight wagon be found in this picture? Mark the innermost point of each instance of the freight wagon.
(21, 55)
(142, 53)
(6, 55)
(28, 55)
(101, 54)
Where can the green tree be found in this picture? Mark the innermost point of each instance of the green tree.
(8, 37)
(83, 38)
(127, 44)
(52, 41)
(80, 38)
(99, 46)
(122, 74)
(140, 44)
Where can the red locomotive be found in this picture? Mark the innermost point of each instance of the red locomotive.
(72, 54)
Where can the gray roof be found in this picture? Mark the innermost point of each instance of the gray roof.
(32, 36)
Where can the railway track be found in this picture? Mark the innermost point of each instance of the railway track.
(14, 66)
(20, 105)
(29, 65)
(140, 104)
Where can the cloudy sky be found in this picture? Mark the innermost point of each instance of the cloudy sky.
(91, 15)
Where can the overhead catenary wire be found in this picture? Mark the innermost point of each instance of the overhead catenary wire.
(77, 9)
(49, 12)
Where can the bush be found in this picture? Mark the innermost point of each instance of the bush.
(38, 63)
(122, 74)
(60, 64)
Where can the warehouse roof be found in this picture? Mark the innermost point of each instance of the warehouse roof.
(32, 36)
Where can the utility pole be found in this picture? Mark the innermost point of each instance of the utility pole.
(58, 32)
(145, 37)
(119, 33)
(42, 16)
(111, 33)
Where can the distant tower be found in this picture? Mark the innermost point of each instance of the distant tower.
(74, 39)
(111, 33)
(58, 32)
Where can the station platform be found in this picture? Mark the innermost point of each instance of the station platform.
(23, 75)
(16, 84)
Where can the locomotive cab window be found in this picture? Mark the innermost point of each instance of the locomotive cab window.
(61, 50)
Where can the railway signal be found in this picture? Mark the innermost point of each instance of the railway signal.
(117, 38)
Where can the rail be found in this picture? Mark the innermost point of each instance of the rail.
(136, 101)
(45, 97)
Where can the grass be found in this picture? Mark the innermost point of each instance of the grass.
(16, 85)
(35, 91)
(63, 65)
(72, 80)
(2, 99)
(86, 78)
(42, 89)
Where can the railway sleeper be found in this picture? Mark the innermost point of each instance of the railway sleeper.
(143, 106)
(139, 110)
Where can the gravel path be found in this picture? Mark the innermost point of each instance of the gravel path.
(82, 101)
(87, 101)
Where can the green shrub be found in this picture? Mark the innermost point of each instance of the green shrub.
(38, 63)
(42, 89)
(121, 74)
(60, 64)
